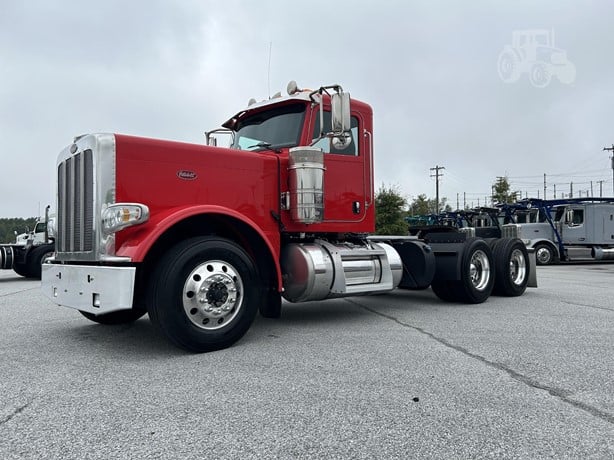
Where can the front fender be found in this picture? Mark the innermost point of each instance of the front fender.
(139, 240)
(533, 243)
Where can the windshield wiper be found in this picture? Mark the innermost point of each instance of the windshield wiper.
(264, 145)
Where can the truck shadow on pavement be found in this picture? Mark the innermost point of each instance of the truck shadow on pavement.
(142, 340)
(139, 339)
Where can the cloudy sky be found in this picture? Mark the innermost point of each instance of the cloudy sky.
(429, 69)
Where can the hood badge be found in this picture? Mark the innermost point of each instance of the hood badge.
(186, 175)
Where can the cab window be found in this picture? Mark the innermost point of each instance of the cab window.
(578, 216)
(326, 143)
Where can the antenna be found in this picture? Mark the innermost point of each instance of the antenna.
(269, 70)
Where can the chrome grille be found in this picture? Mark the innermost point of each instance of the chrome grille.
(510, 231)
(76, 203)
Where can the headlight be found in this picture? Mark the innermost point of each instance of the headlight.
(122, 215)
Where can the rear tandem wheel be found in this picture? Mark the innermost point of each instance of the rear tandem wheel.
(512, 267)
(477, 278)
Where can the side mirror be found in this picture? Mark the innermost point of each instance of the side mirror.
(340, 112)
(569, 216)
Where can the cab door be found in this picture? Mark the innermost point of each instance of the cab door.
(574, 229)
(346, 174)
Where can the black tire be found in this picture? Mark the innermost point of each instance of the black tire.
(512, 268)
(477, 278)
(271, 305)
(21, 269)
(544, 254)
(445, 290)
(35, 259)
(115, 317)
(204, 294)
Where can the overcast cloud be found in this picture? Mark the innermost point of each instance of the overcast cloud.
(173, 69)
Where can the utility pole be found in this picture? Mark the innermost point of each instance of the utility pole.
(554, 191)
(544, 186)
(436, 176)
(600, 188)
(571, 190)
(611, 149)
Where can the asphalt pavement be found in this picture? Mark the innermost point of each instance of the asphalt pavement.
(400, 375)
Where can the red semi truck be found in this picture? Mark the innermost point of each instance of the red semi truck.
(202, 237)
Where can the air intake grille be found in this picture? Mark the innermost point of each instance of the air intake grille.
(76, 203)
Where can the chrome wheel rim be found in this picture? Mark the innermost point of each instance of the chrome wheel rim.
(543, 255)
(518, 267)
(213, 295)
(479, 270)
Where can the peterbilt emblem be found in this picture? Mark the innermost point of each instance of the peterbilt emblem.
(186, 175)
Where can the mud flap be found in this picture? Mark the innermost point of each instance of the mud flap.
(532, 268)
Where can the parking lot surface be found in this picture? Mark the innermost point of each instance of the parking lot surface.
(401, 375)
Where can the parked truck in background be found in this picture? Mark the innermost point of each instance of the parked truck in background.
(571, 229)
(202, 237)
(37, 235)
(26, 255)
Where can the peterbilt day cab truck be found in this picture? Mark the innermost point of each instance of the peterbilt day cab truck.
(202, 237)
(570, 229)
(30, 249)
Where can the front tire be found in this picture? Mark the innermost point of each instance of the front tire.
(544, 254)
(36, 258)
(204, 294)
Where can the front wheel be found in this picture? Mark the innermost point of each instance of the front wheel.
(36, 259)
(544, 254)
(204, 294)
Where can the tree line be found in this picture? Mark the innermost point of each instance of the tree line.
(392, 209)
(8, 226)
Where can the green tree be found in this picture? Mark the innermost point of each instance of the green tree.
(390, 211)
(422, 205)
(8, 227)
(501, 191)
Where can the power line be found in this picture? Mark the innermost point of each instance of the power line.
(437, 168)
(612, 160)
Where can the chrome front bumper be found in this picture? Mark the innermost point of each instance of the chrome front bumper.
(93, 289)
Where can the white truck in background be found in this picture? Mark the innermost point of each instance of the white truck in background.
(37, 235)
(572, 229)
(30, 249)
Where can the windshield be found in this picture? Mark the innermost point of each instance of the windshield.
(276, 128)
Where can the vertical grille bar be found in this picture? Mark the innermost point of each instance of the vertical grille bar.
(70, 202)
(61, 211)
(88, 201)
(76, 203)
